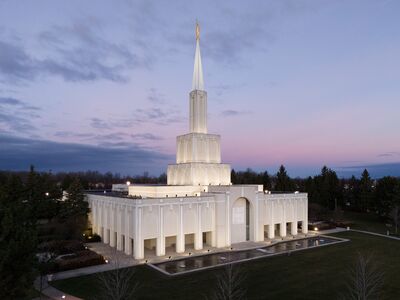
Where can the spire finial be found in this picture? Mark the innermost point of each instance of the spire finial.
(197, 30)
(197, 83)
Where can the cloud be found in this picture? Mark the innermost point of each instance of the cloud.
(389, 154)
(75, 53)
(17, 103)
(155, 96)
(233, 113)
(99, 124)
(18, 153)
(102, 138)
(146, 136)
(16, 115)
(157, 115)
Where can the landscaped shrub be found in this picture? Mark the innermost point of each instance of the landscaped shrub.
(84, 258)
(61, 247)
(95, 238)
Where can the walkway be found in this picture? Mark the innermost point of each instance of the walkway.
(378, 234)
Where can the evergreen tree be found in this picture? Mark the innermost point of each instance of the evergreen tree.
(266, 180)
(17, 241)
(283, 182)
(395, 212)
(384, 194)
(365, 192)
(326, 189)
(74, 210)
(233, 177)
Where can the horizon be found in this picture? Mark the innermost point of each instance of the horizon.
(297, 83)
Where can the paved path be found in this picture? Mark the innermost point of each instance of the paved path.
(330, 231)
(378, 234)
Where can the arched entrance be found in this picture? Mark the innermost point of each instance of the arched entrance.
(240, 230)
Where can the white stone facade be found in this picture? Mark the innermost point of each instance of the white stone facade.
(199, 207)
(221, 217)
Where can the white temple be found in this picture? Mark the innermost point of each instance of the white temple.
(198, 207)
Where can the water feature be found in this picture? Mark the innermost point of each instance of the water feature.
(196, 263)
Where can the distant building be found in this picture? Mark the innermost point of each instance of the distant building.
(199, 207)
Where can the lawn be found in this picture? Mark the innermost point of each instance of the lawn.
(319, 273)
(367, 221)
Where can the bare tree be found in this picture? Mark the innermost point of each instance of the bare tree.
(395, 214)
(365, 279)
(117, 284)
(230, 284)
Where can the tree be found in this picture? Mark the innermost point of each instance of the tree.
(119, 283)
(365, 279)
(266, 180)
(283, 182)
(230, 284)
(326, 189)
(74, 210)
(395, 211)
(233, 177)
(365, 192)
(17, 241)
(384, 195)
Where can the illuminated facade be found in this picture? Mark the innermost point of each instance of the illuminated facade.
(198, 207)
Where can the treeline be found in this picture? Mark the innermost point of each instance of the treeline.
(89, 179)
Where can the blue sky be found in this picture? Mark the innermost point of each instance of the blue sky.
(104, 85)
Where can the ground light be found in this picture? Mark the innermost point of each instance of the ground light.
(315, 228)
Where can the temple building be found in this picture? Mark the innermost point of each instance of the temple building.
(199, 208)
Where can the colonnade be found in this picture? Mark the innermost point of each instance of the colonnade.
(121, 225)
(132, 224)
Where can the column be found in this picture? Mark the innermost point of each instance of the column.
(138, 243)
(160, 247)
(258, 231)
(119, 227)
(106, 214)
(198, 237)
(282, 225)
(214, 226)
(228, 220)
(304, 226)
(127, 231)
(293, 228)
(94, 216)
(282, 229)
(112, 226)
(271, 225)
(180, 239)
(306, 213)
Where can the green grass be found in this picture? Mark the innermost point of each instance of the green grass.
(318, 273)
(367, 221)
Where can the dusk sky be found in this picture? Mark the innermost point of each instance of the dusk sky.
(104, 85)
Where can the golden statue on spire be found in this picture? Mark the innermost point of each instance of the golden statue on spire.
(197, 30)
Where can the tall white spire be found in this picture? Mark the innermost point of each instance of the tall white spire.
(198, 83)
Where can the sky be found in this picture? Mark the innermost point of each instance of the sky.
(104, 85)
